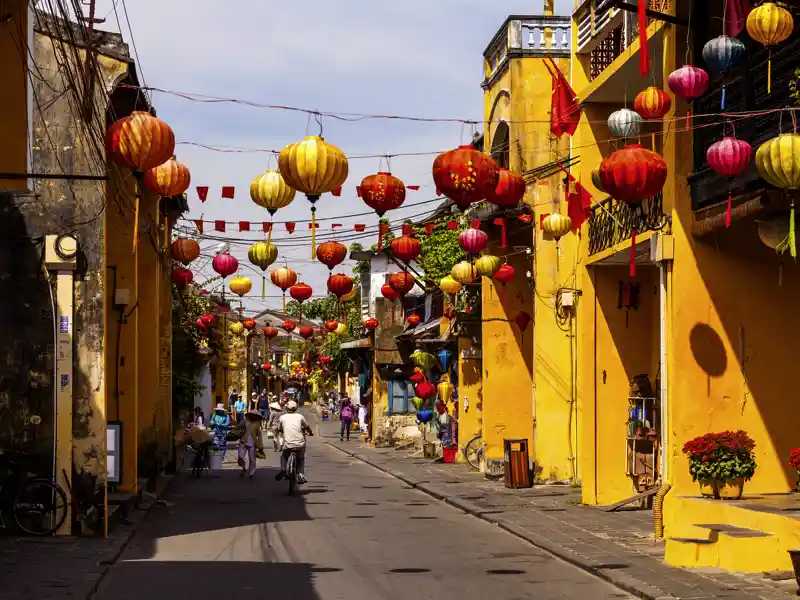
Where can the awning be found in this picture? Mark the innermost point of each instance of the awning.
(357, 344)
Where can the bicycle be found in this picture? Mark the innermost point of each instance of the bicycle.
(474, 451)
(291, 470)
(38, 506)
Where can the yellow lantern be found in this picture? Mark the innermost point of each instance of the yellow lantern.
(778, 163)
(487, 265)
(449, 285)
(556, 225)
(464, 272)
(236, 328)
(240, 285)
(270, 190)
(341, 330)
(262, 255)
(295, 364)
(313, 167)
(445, 389)
(770, 24)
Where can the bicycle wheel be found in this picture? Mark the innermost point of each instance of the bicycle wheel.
(290, 472)
(473, 452)
(40, 507)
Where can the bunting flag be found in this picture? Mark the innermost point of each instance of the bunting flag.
(565, 112)
(408, 229)
(219, 226)
(501, 222)
(579, 203)
(475, 223)
(452, 225)
(313, 225)
(413, 188)
(266, 227)
(358, 191)
(429, 227)
(359, 227)
(244, 226)
(290, 227)
(335, 225)
(337, 191)
(228, 191)
(199, 224)
(202, 192)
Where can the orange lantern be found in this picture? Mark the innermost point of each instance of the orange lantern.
(284, 278)
(306, 331)
(289, 325)
(249, 324)
(465, 175)
(170, 178)
(382, 191)
(414, 319)
(652, 103)
(340, 285)
(331, 325)
(184, 250)
(401, 282)
(331, 253)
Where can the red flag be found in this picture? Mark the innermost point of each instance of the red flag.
(579, 203)
(337, 191)
(429, 227)
(202, 192)
(408, 229)
(290, 227)
(452, 225)
(227, 191)
(244, 225)
(564, 108)
(266, 227)
(412, 187)
(219, 226)
(735, 12)
(313, 225)
(335, 225)
(644, 54)
(502, 223)
(199, 224)
(525, 218)
(358, 191)
(475, 223)
(359, 227)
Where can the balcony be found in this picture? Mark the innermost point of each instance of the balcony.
(522, 36)
(612, 222)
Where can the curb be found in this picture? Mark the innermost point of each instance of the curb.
(615, 577)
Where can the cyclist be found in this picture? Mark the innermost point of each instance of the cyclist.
(294, 428)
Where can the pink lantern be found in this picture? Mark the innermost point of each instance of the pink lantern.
(225, 264)
(729, 157)
(473, 240)
(688, 82)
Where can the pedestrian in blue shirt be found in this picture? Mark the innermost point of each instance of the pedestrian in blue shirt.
(239, 408)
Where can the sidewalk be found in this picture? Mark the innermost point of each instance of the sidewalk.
(618, 547)
(53, 568)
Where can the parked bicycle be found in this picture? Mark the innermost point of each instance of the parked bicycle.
(38, 506)
(474, 451)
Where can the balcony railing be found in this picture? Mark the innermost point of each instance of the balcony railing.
(612, 222)
(526, 36)
(745, 93)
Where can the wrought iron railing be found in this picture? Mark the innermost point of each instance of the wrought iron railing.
(612, 221)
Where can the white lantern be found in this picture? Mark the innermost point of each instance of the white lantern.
(625, 123)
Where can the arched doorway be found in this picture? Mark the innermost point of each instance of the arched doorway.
(500, 145)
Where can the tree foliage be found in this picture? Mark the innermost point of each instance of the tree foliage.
(440, 250)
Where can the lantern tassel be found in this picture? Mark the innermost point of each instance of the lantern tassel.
(792, 236)
(653, 139)
(136, 224)
(769, 73)
(269, 233)
(284, 302)
(689, 119)
(722, 100)
(632, 264)
(729, 211)
(263, 287)
(313, 232)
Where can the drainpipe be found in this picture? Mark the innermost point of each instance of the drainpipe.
(60, 257)
(663, 306)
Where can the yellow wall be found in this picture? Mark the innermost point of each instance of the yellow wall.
(14, 62)
(469, 387)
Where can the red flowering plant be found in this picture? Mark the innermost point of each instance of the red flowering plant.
(721, 456)
(794, 458)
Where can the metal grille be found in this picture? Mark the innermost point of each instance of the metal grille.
(611, 221)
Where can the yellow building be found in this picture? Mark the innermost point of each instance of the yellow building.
(704, 328)
(527, 378)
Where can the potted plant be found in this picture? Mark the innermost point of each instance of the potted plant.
(721, 462)
(794, 462)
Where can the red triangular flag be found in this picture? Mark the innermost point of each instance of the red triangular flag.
(202, 192)
(266, 227)
(412, 187)
(227, 191)
(429, 227)
(475, 223)
(408, 229)
(290, 227)
(359, 227)
(358, 191)
(199, 224)
(219, 226)
(579, 204)
(244, 225)
(337, 191)
(452, 225)
(335, 225)
(502, 223)
(313, 225)
(564, 108)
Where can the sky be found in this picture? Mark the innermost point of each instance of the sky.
(418, 58)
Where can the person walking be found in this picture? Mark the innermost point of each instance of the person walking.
(220, 422)
(275, 412)
(251, 442)
(239, 408)
(346, 416)
(263, 408)
(362, 418)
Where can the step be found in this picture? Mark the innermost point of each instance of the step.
(691, 552)
(745, 550)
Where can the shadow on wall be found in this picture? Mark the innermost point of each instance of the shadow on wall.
(27, 332)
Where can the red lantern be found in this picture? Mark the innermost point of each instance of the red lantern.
(340, 285)
(371, 323)
(505, 274)
(729, 157)
(450, 312)
(406, 248)
(289, 325)
(652, 103)
(331, 253)
(473, 240)
(225, 264)
(509, 190)
(633, 174)
(306, 331)
(208, 320)
(417, 377)
(382, 192)
(389, 293)
(284, 278)
(184, 250)
(181, 277)
(249, 324)
(266, 367)
(414, 319)
(270, 332)
(522, 319)
(301, 292)
(200, 324)
(401, 282)
(324, 359)
(331, 325)
(140, 141)
(465, 175)
(425, 390)
(170, 178)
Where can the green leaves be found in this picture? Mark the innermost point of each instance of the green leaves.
(440, 250)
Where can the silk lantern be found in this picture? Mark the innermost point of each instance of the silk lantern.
(424, 360)
(181, 277)
(688, 82)
(270, 332)
(465, 175)
(300, 292)
(652, 103)
(208, 319)
(382, 192)
(240, 285)
(324, 359)
(769, 25)
(505, 274)
(184, 250)
(449, 285)
(445, 390)
(417, 376)
(236, 328)
(473, 240)
(306, 331)
(624, 123)
(389, 292)
(556, 225)
(266, 367)
(729, 157)
(262, 255)
(331, 325)
(424, 416)
(487, 265)
(288, 325)
(425, 390)
(371, 323)
(406, 248)
(509, 191)
(341, 330)
(313, 167)
(224, 265)
(340, 285)
(284, 278)
(778, 163)
(270, 190)
(331, 253)
(170, 178)
(464, 272)
(402, 282)
(723, 54)
(249, 324)
(414, 319)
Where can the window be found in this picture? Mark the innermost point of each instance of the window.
(400, 394)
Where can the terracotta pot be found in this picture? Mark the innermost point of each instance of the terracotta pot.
(732, 489)
(708, 489)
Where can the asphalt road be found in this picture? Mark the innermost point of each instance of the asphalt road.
(352, 533)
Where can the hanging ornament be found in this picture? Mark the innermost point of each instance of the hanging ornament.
(424, 360)
(445, 390)
(270, 190)
(425, 390)
(208, 319)
(414, 319)
(284, 278)
(444, 356)
(418, 403)
(596, 179)
(389, 292)
(406, 248)
(240, 285)
(170, 178)
(689, 83)
(288, 325)
(624, 123)
(300, 292)
(181, 277)
(249, 324)
(331, 325)
(270, 332)
(465, 175)
(556, 225)
(778, 163)
(487, 265)
(505, 274)
(382, 192)
(224, 265)
(424, 416)
(633, 174)
(417, 376)
(522, 320)
(769, 25)
(262, 255)
(401, 282)
(449, 285)
(371, 323)
(464, 272)
(653, 104)
(266, 367)
(723, 54)
(509, 190)
(340, 285)
(236, 328)
(331, 253)
(473, 240)
(313, 167)
(324, 359)
(729, 157)
(306, 331)
(449, 312)
(184, 250)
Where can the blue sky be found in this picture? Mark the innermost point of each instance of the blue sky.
(417, 57)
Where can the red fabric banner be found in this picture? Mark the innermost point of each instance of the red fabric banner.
(502, 223)
(412, 187)
(219, 226)
(244, 226)
(202, 192)
(564, 108)
(736, 12)
(228, 191)
(359, 227)
(290, 227)
(199, 224)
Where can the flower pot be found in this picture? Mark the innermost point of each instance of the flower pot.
(731, 489)
(795, 556)
(708, 489)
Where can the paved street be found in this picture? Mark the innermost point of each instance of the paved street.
(353, 532)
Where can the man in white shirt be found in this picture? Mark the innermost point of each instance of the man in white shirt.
(294, 428)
